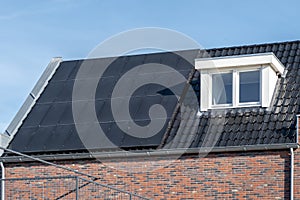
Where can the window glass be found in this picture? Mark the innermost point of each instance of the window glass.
(249, 86)
(222, 88)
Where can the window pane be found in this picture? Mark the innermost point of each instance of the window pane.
(222, 88)
(249, 86)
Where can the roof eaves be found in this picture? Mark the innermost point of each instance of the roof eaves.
(163, 152)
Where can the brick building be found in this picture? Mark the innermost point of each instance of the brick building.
(236, 140)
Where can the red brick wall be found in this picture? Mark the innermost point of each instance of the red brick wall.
(247, 175)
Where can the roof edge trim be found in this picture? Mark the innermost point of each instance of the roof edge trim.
(31, 99)
(164, 152)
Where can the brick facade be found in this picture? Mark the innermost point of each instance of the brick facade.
(244, 175)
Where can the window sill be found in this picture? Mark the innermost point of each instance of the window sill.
(244, 105)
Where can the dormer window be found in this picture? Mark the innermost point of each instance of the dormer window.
(236, 88)
(238, 81)
(249, 86)
(221, 89)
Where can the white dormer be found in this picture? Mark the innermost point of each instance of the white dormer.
(238, 81)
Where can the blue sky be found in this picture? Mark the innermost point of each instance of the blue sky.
(34, 31)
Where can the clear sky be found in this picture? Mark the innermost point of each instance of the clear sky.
(34, 31)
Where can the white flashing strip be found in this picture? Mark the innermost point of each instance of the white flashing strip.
(297, 128)
(29, 102)
(242, 60)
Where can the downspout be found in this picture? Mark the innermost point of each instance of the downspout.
(2, 182)
(292, 175)
(292, 160)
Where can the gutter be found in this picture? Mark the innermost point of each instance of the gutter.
(292, 175)
(149, 153)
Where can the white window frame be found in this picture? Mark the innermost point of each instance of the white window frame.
(236, 87)
(260, 87)
(211, 89)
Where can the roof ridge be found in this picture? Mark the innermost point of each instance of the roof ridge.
(252, 45)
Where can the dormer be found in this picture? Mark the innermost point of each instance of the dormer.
(238, 81)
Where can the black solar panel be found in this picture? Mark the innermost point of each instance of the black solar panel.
(36, 115)
(50, 125)
(66, 117)
(54, 90)
(54, 114)
(24, 136)
(39, 139)
(64, 71)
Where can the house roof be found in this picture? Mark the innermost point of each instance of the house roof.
(50, 125)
